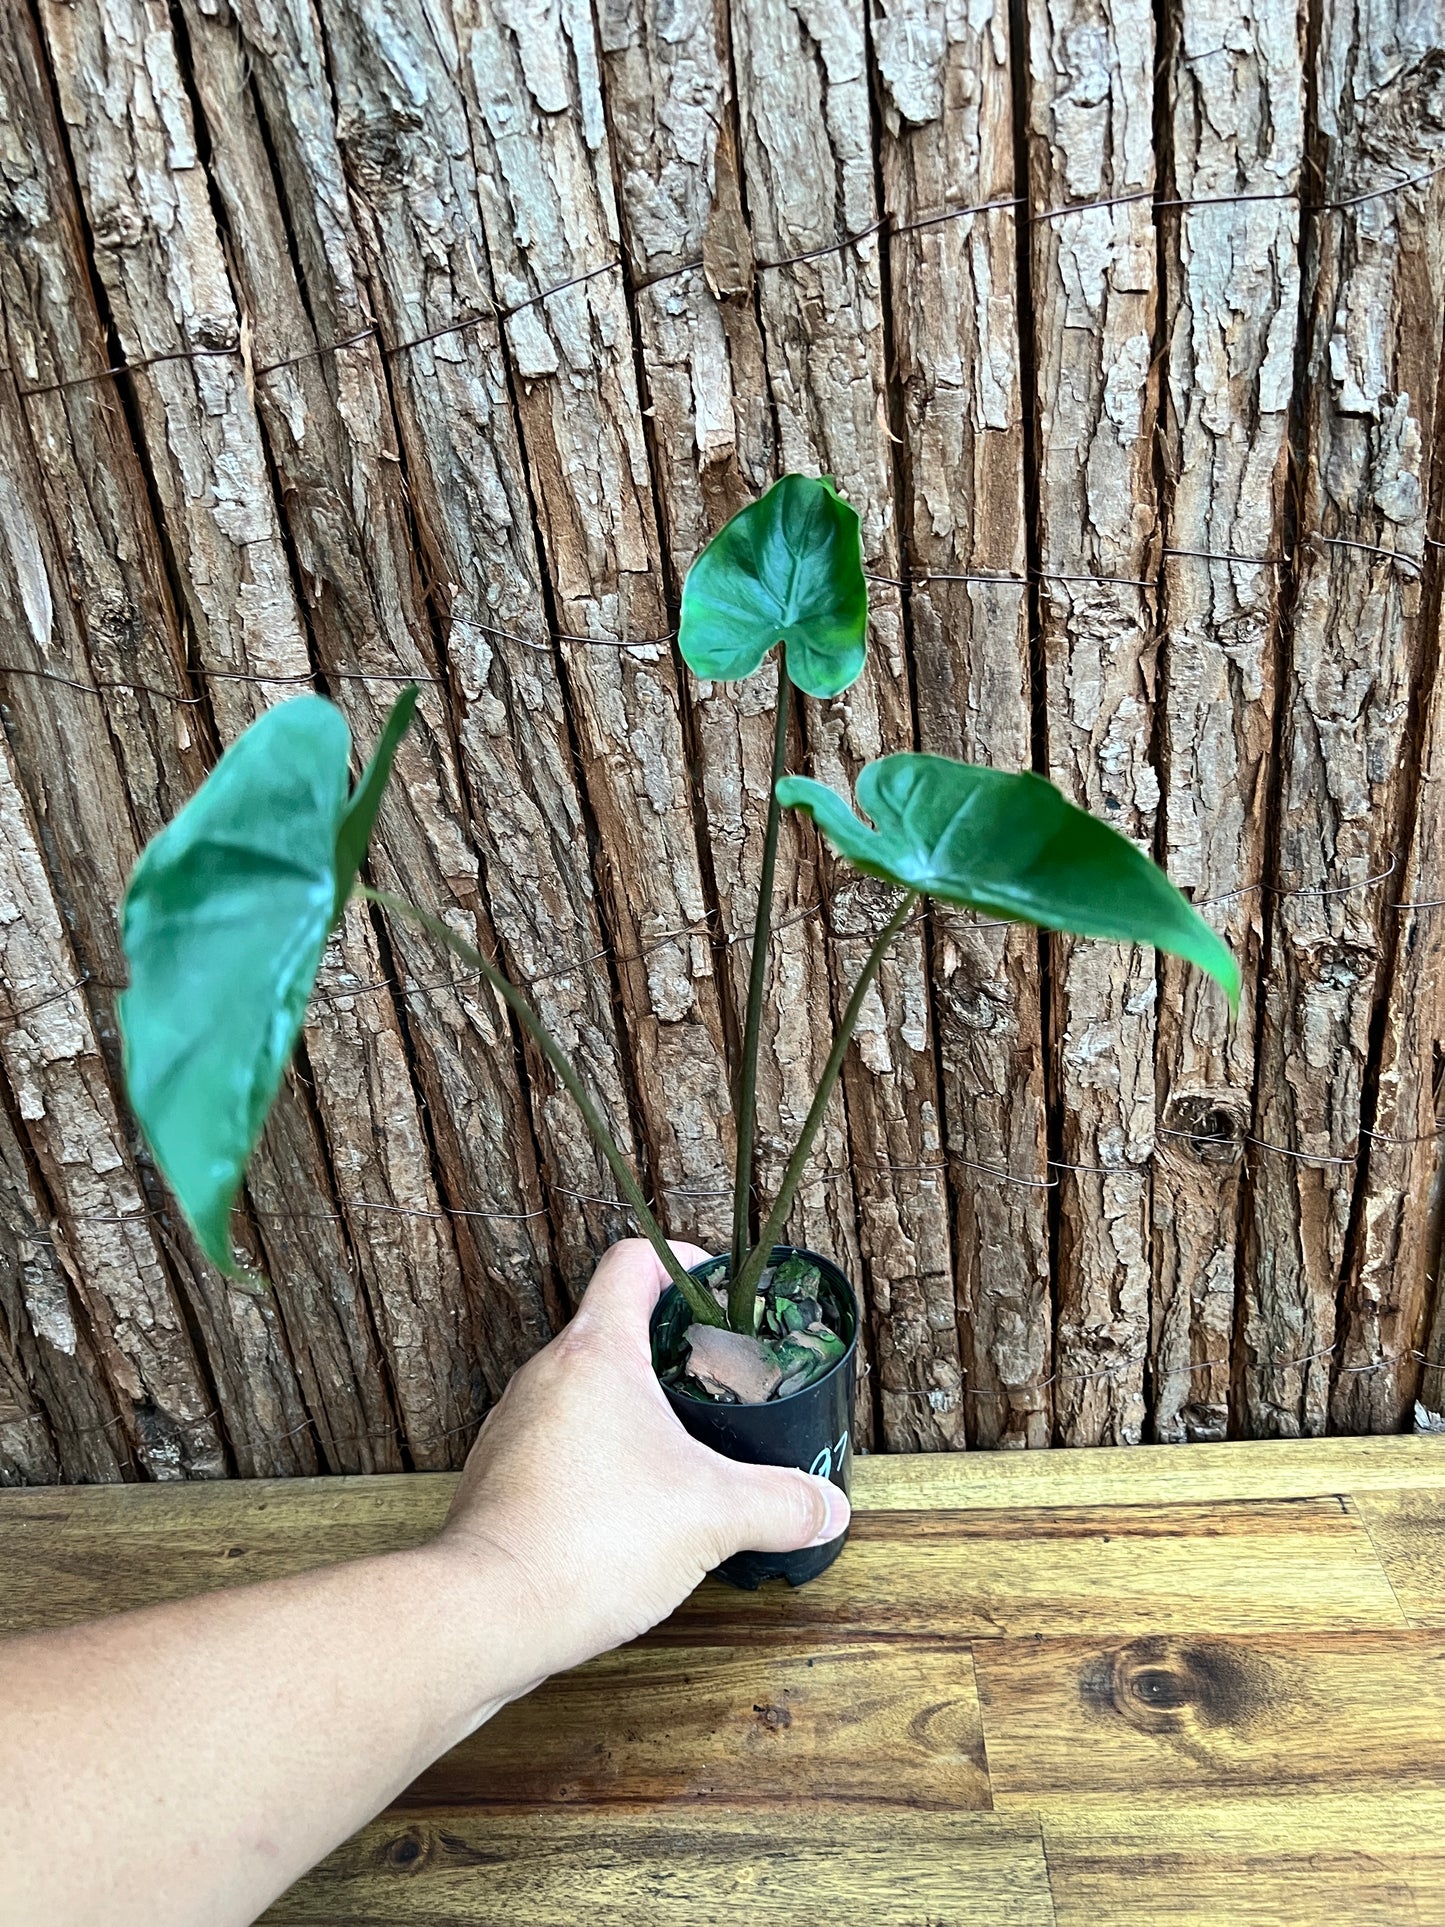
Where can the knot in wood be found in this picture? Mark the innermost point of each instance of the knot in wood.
(1167, 1686)
(1209, 1126)
(406, 1851)
(773, 1719)
(376, 146)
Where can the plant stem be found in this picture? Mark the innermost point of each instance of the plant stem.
(747, 1120)
(744, 1286)
(704, 1306)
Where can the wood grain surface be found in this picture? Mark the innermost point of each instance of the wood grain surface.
(1135, 1698)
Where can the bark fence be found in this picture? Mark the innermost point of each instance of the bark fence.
(349, 343)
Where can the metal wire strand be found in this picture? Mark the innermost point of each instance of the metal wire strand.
(1009, 203)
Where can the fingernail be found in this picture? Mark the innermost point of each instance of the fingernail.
(839, 1513)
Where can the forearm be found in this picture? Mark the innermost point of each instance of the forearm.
(181, 1767)
(186, 1764)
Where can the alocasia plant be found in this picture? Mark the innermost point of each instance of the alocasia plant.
(224, 923)
(230, 906)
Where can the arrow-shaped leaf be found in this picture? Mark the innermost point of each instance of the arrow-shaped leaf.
(1011, 846)
(223, 926)
(789, 569)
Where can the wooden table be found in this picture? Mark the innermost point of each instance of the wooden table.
(1178, 1685)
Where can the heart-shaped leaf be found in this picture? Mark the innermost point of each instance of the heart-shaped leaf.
(1012, 846)
(789, 569)
(224, 922)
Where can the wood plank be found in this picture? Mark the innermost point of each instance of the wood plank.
(1190, 1718)
(1251, 1565)
(891, 1482)
(1408, 1531)
(68, 1553)
(552, 1868)
(1219, 1568)
(1371, 1862)
(879, 1722)
(1150, 1475)
(65, 1555)
(401, 1509)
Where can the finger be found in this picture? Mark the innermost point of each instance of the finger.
(628, 1282)
(769, 1508)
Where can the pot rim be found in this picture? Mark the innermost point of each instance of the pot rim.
(838, 1365)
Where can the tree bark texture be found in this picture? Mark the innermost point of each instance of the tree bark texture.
(947, 143)
(1235, 99)
(1095, 299)
(808, 174)
(712, 436)
(1361, 654)
(449, 332)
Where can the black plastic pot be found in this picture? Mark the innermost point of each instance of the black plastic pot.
(811, 1429)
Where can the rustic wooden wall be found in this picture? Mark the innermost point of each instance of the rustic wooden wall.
(354, 341)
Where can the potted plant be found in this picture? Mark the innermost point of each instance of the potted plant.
(230, 907)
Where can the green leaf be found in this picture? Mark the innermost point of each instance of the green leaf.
(223, 926)
(789, 569)
(360, 818)
(1012, 846)
(795, 1275)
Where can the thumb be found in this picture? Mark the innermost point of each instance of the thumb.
(772, 1509)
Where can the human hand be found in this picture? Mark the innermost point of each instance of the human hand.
(205, 1752)
(584, 1481)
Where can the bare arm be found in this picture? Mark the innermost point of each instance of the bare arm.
(187, 1763)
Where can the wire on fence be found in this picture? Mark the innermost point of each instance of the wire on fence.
(822, 909)
(906, 584)
(499, 314)
(548, 638)
(1138, 1360)
(401, 1435)
(1138, 1168)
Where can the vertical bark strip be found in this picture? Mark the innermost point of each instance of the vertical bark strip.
(505, 780)
(1236, 113)
(669, 106)
(113, 636)
(77, 790)
(160, 258)
(531, 83)
(1429, 1413)
(1357, 649)
(111, 749)
(809, 181)
(947, 143)
(1090, 87)
(52, 1060)
(58, 1421)
(1386, 1298)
